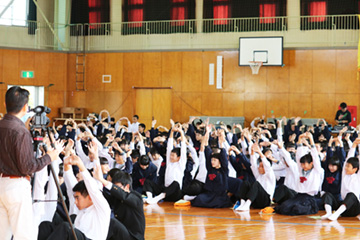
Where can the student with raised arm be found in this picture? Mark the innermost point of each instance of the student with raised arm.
(216, 184)
(174, 173)
(350, 191)
(260, 193)
(311, 175)
(93, 218)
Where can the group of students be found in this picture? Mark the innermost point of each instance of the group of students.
(109, 169)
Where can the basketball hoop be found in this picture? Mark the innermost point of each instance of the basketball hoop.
(255, 66)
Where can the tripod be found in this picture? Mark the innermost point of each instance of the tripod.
(38, 141)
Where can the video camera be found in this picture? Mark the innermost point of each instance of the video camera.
(39, 124)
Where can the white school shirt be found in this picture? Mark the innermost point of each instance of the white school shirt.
(278, 167)
(267, 180)
(175, 171)
(292, 172)
(157, 163)
(133, 127)
(80, 152)
(195, 159)
(350, 183)
(315, 178)
(94, 221)
(232, 172)
(201, 176)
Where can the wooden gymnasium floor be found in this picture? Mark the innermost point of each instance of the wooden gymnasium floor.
(163, 221)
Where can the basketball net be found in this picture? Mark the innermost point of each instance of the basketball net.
(255, 66)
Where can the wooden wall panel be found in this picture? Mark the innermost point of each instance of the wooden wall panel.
(95, 68)
(42, 69)
(176, 113)
(114, 100)
(254, 105)
(58, 62)
(192, 72)
(55, 102)
(212, 104)
(161, 106)
(191, 105)
(151, 69)
(233, 104)
(144, 105)
(71, 72)
(234, 76)
(132, 70)
(277, 79)
(1, 68)
(114, 67)
(300, 105)
(324, 71)
(301, 71)
(171, 70)
(324, 106)
(10, 70)
(255, 83)
(346, 81)
(277, 104)
(27, 61)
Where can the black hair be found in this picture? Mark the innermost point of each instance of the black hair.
(81, 188)
(136, 116)
(290, 145)
(103, 161)
(334, 160)
(343, 105)
(266, 149)
(142, 125)
(144, 160)
(61, 170)
(135, 154)
(113, 172)
(201, 131)
(123, 178)
(213, 143)
(15, 99)
(306, 158)
(112, 119)
(216, 155)
(124, 142)
(354, 161)
(153, 151)
(176, 151)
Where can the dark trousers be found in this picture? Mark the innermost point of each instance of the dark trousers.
(194, 188)
(255, 193)
(118, 231)
(61, 231)
(283, 193)
(351, 202)
(173, 191)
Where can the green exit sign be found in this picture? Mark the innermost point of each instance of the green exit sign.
(27, 74)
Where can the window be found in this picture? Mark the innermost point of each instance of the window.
(317, 9)
(267, 10)
(135, 12)
(178, 12)
(13, 12)
(221, 10)
(94, 12)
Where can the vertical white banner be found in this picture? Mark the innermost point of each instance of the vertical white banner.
(219, 72)
(211, 74)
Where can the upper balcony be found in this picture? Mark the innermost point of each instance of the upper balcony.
(332, 31)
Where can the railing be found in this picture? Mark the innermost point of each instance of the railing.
(304, 31)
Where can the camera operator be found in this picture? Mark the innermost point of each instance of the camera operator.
(17, 163)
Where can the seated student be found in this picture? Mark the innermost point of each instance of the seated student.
(197, 184)
(260, 193)
(93, 218)
(122, 159)
(175, 166)
(286, 190)
(350, 190)
(333, 169)
(127, 204)
(216, 184)
(143, 170)
(343, 116)
(309, 183)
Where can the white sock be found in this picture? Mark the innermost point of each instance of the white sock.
(245, 206)
(149, 194)
(242, 202)
(156, 199)
(189, 198)
(328, 210)
(338, 212)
